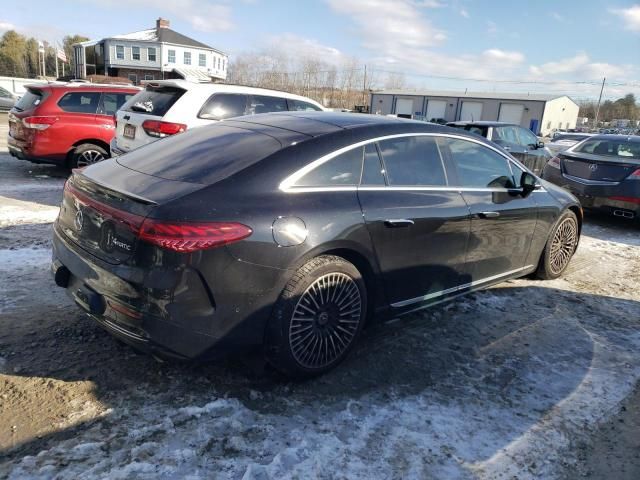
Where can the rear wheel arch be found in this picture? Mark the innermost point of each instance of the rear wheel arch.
(89, 141)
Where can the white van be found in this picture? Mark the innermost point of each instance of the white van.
(167, 107)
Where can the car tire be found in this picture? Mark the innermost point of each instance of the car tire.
(87, 154)
(560, 247)
(318, 317)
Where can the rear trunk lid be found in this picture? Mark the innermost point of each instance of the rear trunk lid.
(596, 167)
(153, 103)
(25, 107)
(103, 208)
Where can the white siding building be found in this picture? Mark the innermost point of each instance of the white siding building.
(152, 54)
(542, 114)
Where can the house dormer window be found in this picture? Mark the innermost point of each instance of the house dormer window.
(135, 53)
(202, 60)
(187, 58)
(120, 52)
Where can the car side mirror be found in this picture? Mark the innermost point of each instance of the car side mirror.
(528, 183)
(540, 144)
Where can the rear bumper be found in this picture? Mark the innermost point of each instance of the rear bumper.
(609, 198)
(29, 151)
(115, 151)
(167, 313)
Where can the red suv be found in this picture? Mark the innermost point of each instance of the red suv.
(67, 124)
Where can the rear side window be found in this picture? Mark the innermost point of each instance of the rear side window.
(111, 102)
(300, 106)
(31, 99)
(479, 166)
(80, 102)
(154, 100)
(224, 105)
(372, 171)
(413, 161)
(342, 170)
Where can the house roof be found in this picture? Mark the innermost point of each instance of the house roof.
(163, 35)
(484, 95)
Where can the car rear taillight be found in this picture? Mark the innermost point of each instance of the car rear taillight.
(554, 162)
(39, 123)
(156, 128)
(635, 175)
(190, 237)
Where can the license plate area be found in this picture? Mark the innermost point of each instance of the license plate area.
(129, 131)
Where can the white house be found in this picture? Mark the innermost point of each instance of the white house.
(152, 54)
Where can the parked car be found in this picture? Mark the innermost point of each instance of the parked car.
(290, 230)
(564, 141)
(7, 99)
(69, 124)
(168, 107)
(603, 171)
(518, 141)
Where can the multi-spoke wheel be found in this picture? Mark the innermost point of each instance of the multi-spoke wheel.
(560, 247)
(318, 317)
(88, 154)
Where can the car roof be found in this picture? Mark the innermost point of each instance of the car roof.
(614, 136)
(315, 124)
(82, 86)
(483, 123)
(230, 88)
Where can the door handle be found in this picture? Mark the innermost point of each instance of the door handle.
(398, 223)
(488, 214)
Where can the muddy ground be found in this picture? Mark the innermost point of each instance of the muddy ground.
(529, 379)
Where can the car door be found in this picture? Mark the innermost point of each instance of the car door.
(110, 103)
(536, 157)
(78, 116)
(502, 219)
(419, 226)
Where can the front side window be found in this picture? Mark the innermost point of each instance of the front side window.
(505, 134)
(527, 138)
(135, 53)
(187, 58)
(151, 54)
(479, 166)
(300, 106)
(172, 56)
(224, 105)
(111, 102)
(412, 161)
(264, 104)
(202, 60)
(120, 52)
(342, 170)
(80, 102)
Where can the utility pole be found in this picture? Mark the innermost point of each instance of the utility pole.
(364, 86)
(595, 123)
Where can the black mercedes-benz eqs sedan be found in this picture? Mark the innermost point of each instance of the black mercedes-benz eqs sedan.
(290, 230)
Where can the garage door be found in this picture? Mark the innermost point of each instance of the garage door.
(511, 113)
(471, 111)
(435, 109)
(404, 107)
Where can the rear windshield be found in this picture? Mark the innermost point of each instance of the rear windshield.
(203, 155)
(154, 100)
(31, 99)
(622, 149)
(482, 131)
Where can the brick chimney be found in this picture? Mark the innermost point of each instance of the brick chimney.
(162, 23)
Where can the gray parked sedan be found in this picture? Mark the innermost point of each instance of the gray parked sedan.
(7, 99)
(519, 142)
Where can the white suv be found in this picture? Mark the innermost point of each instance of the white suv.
(167, 107)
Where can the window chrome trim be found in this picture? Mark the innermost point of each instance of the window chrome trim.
(288, 184)
(586, 181)
(473, 284)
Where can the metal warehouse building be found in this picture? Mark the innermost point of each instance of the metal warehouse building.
(540, 113)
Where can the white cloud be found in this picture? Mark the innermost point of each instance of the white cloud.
(464, 13)
(630, 16)
(295, 46)
(557, 17)
(4, 26)
(503, 55)
(579, 66)
(203, 15)
(429, 3)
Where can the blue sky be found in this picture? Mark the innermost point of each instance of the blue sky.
(553, 43)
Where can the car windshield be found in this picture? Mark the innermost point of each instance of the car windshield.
(608, 147)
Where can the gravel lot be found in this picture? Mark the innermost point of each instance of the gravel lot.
(529, 379)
